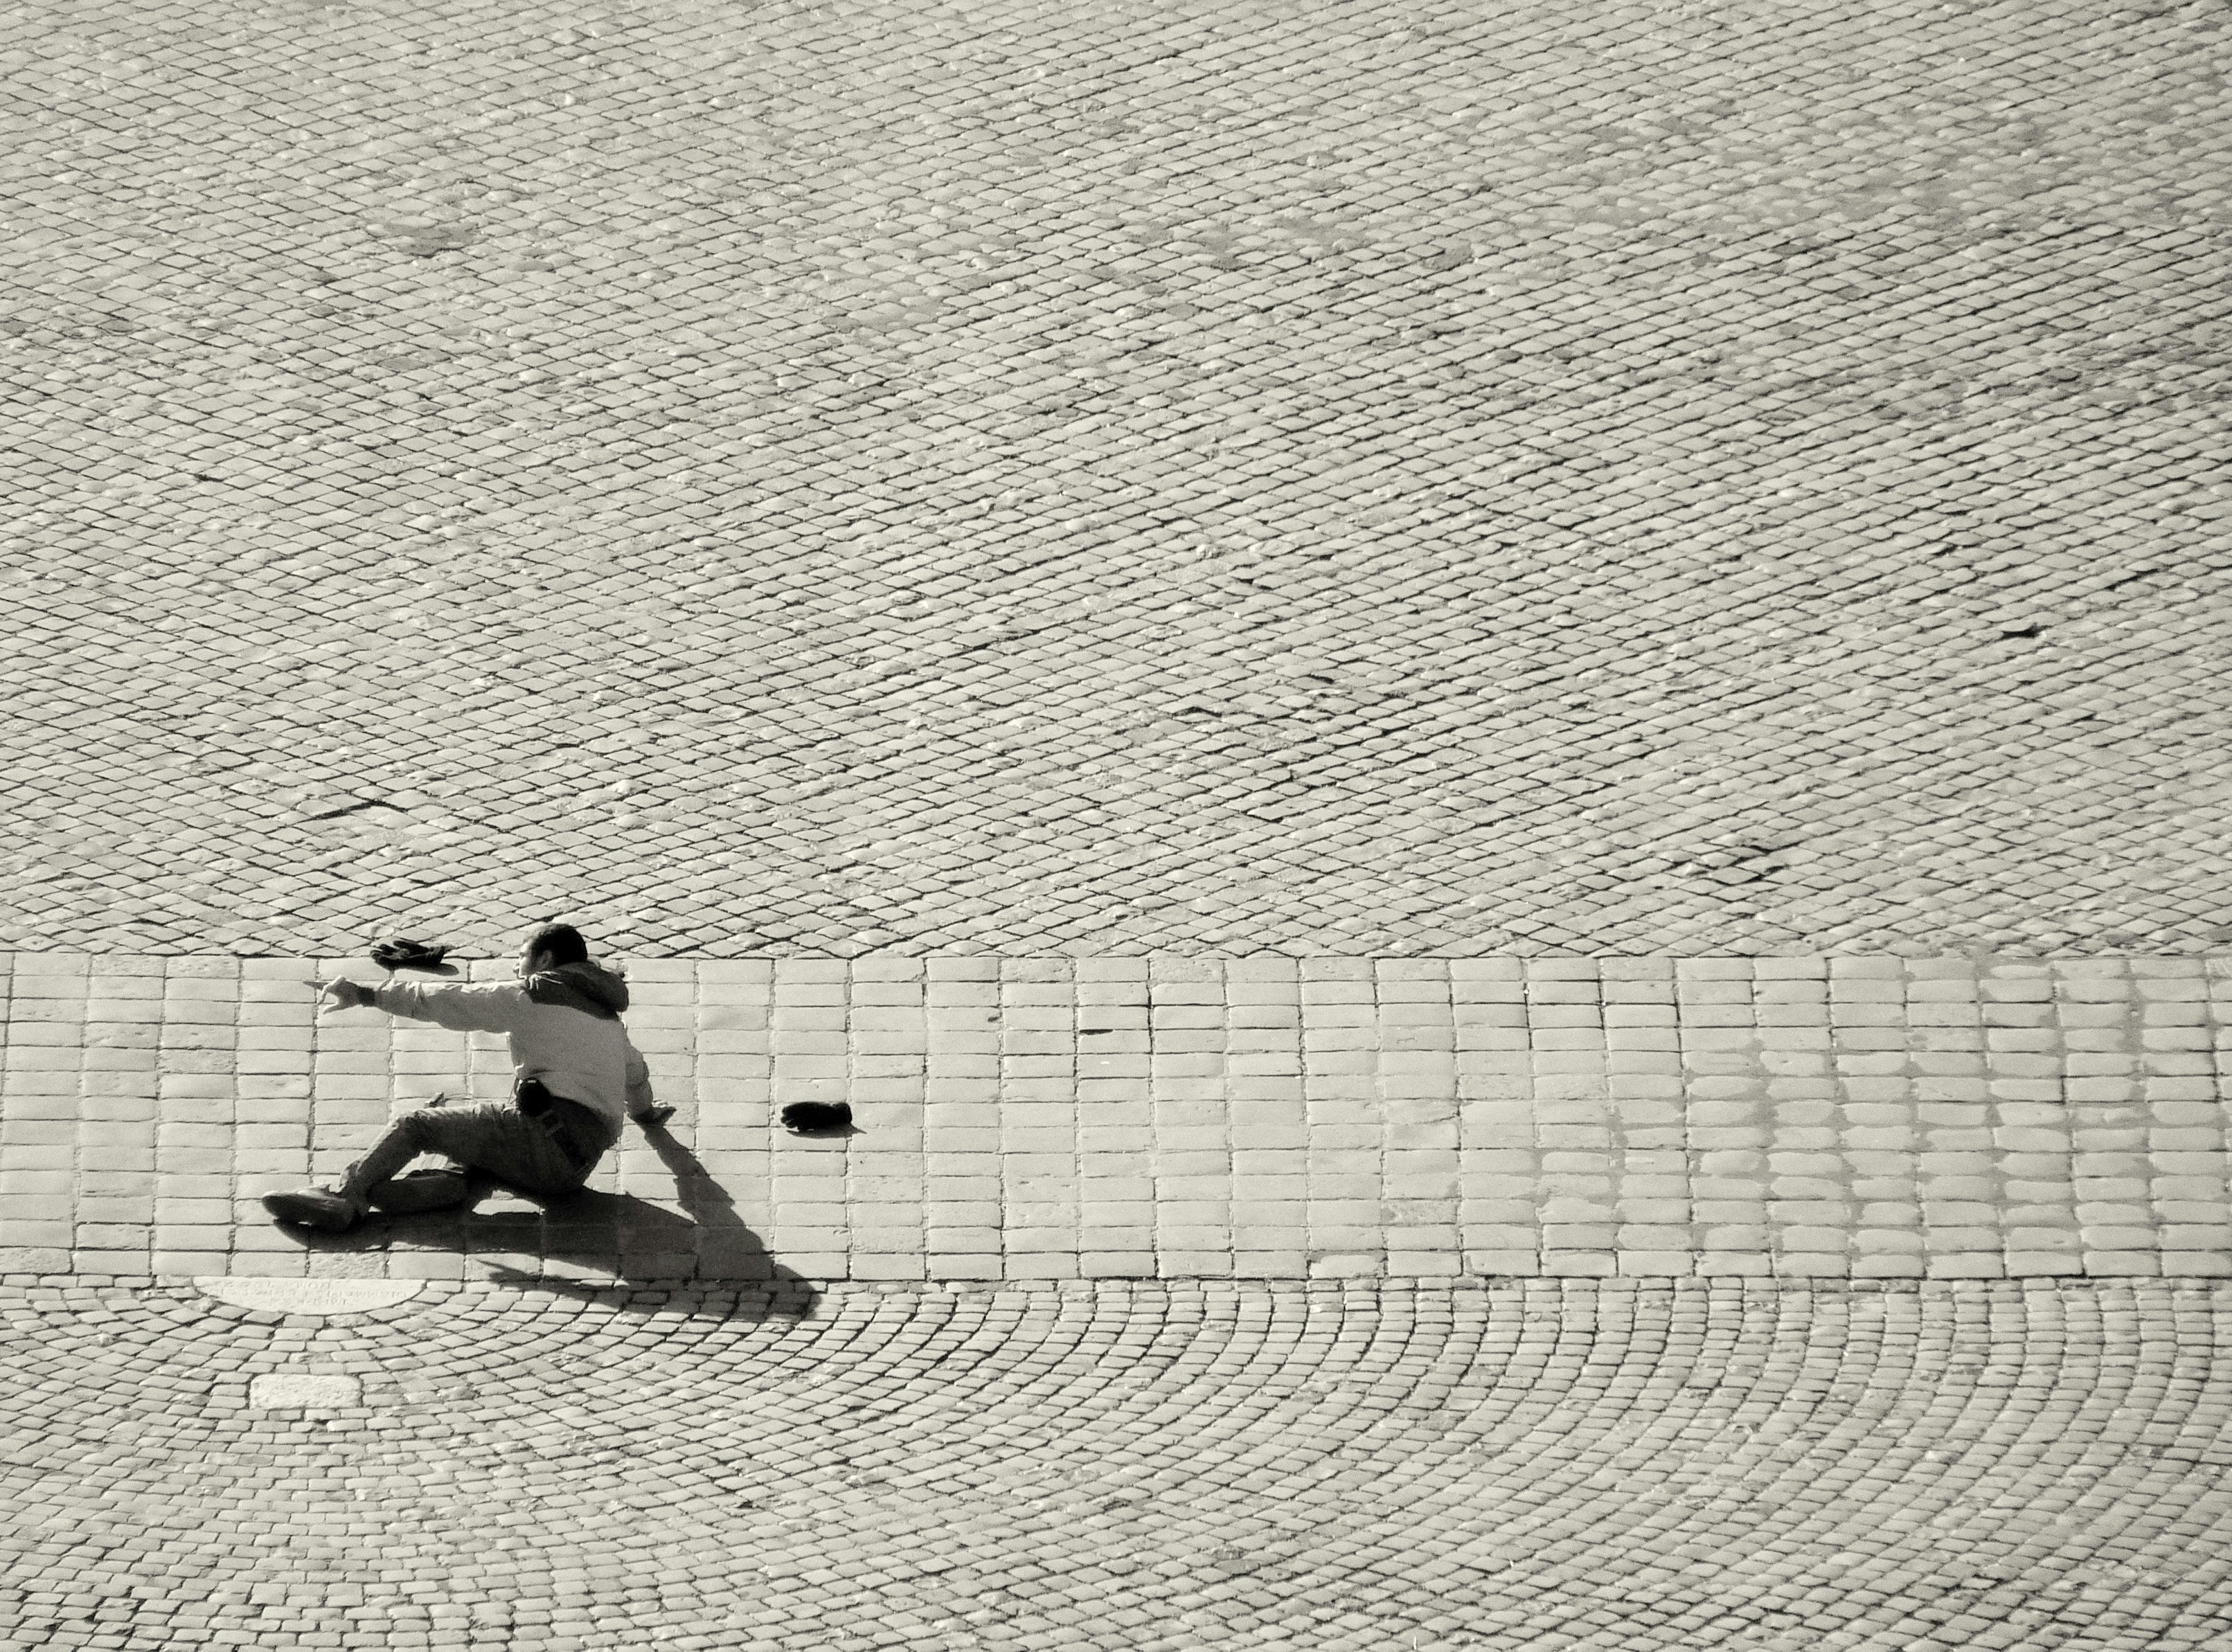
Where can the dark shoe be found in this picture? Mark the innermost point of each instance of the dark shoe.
(817, 1117)
(317, 1208)
(423, 1190)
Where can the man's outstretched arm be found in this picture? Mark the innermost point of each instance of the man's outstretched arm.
(488, 1007)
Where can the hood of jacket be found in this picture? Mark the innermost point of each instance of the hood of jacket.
(588, 987)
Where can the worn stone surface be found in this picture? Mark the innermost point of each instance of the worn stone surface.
(1607, 1465)
(1025, 1118)
(1321, 477)
(306, 1296)
(312, 1392)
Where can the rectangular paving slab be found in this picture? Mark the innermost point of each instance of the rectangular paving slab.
(1025, 1118)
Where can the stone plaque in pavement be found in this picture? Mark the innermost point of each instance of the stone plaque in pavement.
(311, 1296)
(304, 1391)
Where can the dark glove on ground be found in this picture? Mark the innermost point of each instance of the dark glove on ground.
(399, 953)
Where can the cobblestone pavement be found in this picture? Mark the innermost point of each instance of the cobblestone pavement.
(1430, 492)
(1556, 1464)
(1033, 1119)
(1314, 477)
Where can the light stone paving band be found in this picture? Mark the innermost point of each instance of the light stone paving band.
(1178, 1116)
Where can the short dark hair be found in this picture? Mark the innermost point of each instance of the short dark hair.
(561, 941)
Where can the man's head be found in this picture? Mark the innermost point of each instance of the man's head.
(551, 946)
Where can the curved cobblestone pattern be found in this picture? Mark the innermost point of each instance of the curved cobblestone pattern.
(1551, 1465)
(1351, 478)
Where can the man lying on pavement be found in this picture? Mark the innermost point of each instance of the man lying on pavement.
(575, 1075)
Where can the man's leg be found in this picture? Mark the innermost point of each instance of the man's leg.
(337, 1210)
(416, 1192)
(495, 1140)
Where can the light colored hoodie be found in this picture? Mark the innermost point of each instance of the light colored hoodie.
(564, 1026)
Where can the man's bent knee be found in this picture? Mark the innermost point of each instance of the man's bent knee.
(418, 1126)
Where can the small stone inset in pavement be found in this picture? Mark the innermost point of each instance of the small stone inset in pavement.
(311, 1296)
(304, 1391)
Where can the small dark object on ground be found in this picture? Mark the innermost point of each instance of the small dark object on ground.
(399, 953)
(817, 1117)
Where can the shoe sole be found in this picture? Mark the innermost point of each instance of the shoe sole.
(286, 1208)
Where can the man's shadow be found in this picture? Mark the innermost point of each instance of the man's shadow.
(616, 1238)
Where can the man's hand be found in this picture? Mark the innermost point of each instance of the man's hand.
(343, 994)
(654, 1117)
